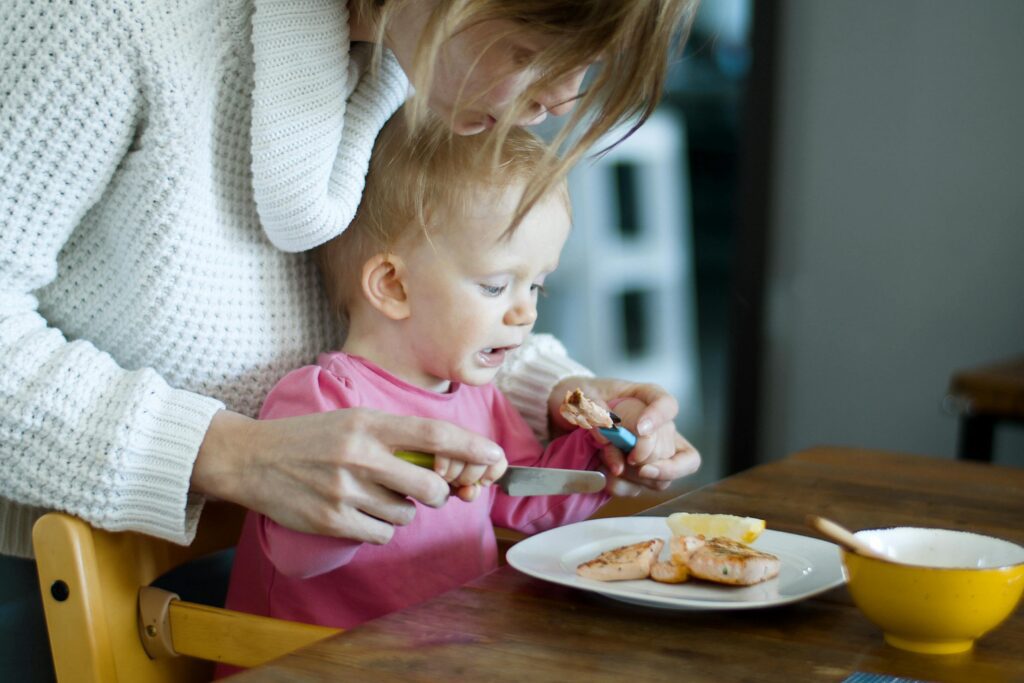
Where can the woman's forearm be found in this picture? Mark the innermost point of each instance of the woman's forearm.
(220, 464)
(529, 377)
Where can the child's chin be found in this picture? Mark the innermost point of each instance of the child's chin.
(479, 377)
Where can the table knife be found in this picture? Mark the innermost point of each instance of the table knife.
(619, 436)
(530, 481)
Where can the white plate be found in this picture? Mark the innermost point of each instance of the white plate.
(809, 566)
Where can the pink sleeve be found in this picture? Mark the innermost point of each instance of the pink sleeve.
(576, 451)
(310, 389)
(300, 556)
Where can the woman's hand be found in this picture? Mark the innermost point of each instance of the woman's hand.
(335, 473)
(661, 454)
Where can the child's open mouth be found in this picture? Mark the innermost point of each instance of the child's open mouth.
(493, 357)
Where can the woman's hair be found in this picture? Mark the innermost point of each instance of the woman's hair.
(632, 39)
(416, 186)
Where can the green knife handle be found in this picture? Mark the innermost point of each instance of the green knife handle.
(417, 458)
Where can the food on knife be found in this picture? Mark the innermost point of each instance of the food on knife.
(582, 412)
(743, 529)
(624, 563)
(669, 572)
(724, 560)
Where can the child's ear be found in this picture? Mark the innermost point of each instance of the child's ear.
(383, 285)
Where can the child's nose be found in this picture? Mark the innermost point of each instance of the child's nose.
(522, 313)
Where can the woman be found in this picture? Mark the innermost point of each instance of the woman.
(162, 166)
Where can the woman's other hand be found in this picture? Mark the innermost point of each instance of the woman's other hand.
(661, 454)
(335, 473)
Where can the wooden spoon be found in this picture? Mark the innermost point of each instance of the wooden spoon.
(843, 537)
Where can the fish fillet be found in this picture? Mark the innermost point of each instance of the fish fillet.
(624, 563)
(723, 560)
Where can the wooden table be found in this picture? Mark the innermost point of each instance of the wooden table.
(509, 627)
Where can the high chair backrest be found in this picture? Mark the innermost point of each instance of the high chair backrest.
(91, 581)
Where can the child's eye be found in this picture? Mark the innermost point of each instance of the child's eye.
(492, 290)
(538, 290)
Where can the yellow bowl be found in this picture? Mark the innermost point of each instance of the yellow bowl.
(943, 589)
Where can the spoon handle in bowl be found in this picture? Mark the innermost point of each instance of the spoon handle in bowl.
(842, 536)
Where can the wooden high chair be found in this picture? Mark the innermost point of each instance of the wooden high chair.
(107, 624)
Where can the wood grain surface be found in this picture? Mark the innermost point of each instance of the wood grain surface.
(509, 627)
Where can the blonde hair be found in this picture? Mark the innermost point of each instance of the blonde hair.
(634, 39)
(411, 181)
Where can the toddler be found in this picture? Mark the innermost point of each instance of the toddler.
(437, 288)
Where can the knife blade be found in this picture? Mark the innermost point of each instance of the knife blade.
(529, 481)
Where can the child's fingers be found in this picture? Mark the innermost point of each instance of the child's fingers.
(468, 493)
(613, 459)
(470, 474)
(460, 474)
(493, 473)
(454, 471)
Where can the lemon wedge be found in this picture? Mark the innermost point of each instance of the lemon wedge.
(743, 529)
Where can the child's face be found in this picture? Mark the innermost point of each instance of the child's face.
(473, 296)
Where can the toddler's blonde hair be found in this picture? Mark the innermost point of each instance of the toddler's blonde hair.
(419, 184)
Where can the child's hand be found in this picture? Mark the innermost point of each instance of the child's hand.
(465, 479)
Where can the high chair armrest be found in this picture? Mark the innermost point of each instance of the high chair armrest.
(170, 627)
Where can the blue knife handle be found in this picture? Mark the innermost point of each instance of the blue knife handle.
(621, 438)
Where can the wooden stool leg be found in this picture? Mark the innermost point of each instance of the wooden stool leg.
(976, 437)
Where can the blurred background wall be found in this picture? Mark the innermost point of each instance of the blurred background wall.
(897, 222)
(643, 288)
(850, 226)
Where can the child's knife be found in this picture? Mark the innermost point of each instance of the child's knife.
(529, 481)
(619, 436)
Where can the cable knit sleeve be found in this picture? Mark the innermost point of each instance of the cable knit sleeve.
(77, 432)
(530, 374)
(310, 147)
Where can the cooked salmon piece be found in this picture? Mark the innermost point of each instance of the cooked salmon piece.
(723, 560)
(623, 563)
(669, 572)
(582, 412)
(681, 547)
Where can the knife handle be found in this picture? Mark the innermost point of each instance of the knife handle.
(620, 437)
(416, 458)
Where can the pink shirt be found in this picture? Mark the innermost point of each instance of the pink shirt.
(337, 582)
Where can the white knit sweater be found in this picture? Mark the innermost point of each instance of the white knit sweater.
(161, 163)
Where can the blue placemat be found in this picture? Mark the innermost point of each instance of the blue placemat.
(861, 677)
